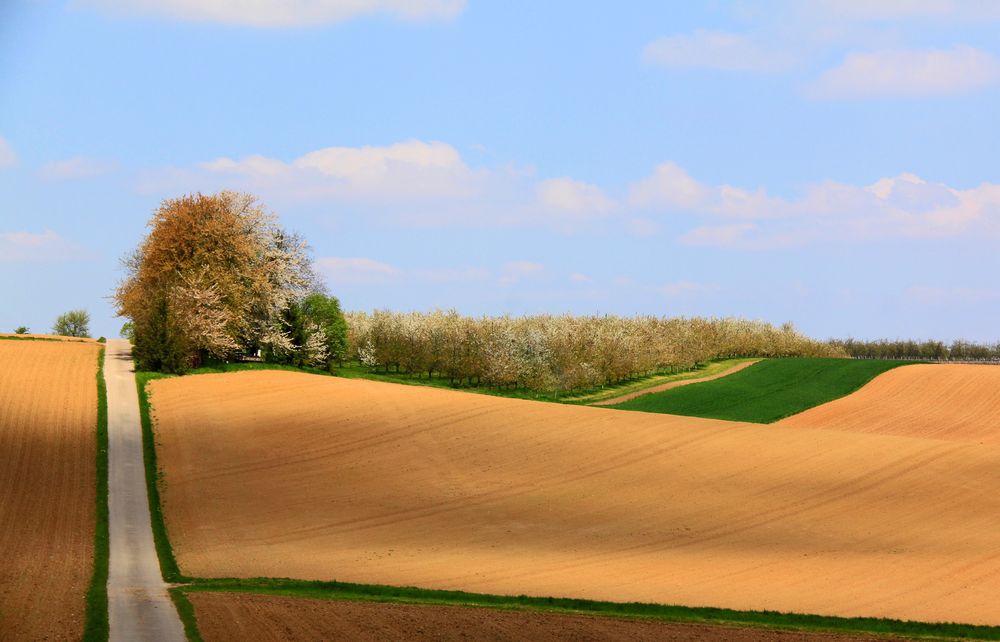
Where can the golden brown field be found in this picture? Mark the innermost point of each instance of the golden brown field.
(293, 475)
(48, 415)
(957, 402)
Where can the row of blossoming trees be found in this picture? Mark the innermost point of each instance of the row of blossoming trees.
(559, 353)
(919, 350)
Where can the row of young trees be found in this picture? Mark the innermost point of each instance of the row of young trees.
(218, 277)
(919, 350)
(559, 353)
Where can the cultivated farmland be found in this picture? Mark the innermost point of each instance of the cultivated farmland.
(48, 415)
(290, 475)
(236, 617)
(766, 391)
(943, 401)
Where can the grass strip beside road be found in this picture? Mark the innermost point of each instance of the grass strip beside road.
(168, 564)
(671, 613)
(766, 391)
(96, 614)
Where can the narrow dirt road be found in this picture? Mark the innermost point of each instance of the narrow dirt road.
(138, 604)
(673, 384)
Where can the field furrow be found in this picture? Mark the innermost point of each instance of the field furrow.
(290, 475)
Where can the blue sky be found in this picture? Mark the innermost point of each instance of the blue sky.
(829, 163)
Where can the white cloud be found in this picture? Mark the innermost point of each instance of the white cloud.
(671, 186)
(907, 73)
(280, 13)
(16, 247)
(578, 277)
(73, 168)
(716, 50)
(975, 10)
(573, 197)
(356, 271)
(400, 172)
(7, 156)
(514, 271)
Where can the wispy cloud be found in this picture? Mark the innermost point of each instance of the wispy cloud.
(904, 206)
(907, 73)
(515, 271)
(866, 10)
(356, 271)
(74, 168)
(30, 247)
(573, 197)
(7, 156)
(716, 50)
(677, 288)
(279, 13)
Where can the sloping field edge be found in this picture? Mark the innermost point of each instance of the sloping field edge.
(670, 385)
(672, 613)
(746, 415)
(333, 590)
(164, 551)
(96, 615)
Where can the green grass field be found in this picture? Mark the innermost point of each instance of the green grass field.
(767, 391)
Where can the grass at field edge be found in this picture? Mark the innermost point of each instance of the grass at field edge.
(671, 613)
(96, 613)
(165, 552)
(767, 391)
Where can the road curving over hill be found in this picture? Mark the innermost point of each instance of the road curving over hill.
(284, 474)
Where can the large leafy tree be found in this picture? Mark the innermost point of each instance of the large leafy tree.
(75, 323)
(215, 276)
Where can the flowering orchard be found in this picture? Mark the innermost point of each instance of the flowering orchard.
(559, 352)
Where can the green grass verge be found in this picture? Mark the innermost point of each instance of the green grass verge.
(766, 391)
(168, 564)
(579, 396)
(705, 615)
(96, 615)
(186, 612)
(610, 392)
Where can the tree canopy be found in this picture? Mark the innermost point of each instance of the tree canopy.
(75, 323)
(215, 276)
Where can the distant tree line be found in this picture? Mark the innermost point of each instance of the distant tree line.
(218, 278)
(559, 352)
(919, 350)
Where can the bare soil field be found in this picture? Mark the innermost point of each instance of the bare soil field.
(283, 474)
(673, 384)
(239, 617)
(57, 337)
(955, 402)
(48, 414)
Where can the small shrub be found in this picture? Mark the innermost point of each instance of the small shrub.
(21, 329)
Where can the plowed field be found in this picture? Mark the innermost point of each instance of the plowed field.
(292, 475)
(48, 415)
(956, 402)
(236, 617)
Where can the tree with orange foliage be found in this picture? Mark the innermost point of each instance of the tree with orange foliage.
(212, 278)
